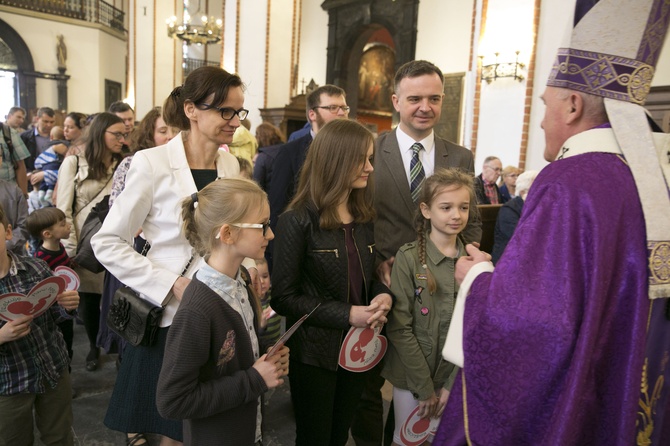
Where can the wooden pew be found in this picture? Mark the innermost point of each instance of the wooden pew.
(489, 215)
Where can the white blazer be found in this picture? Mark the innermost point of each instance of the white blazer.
(157, 182)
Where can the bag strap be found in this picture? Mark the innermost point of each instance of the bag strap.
(6, 133)
(76, 183)
(188, 265)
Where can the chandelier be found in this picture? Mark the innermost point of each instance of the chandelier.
(204, 31)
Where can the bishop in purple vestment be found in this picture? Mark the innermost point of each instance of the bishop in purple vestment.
(567, 341)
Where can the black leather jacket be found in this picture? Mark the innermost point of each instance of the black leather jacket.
(311, 268)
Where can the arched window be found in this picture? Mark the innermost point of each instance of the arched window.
(8, 85)
(17, 81)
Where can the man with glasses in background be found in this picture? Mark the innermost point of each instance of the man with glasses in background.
(485, 184)
(324, 104)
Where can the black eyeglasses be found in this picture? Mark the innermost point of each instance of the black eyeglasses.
(118, 135)
(263, 226)
(228, 113)
(335, 108)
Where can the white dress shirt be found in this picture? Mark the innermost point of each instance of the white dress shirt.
(427, 155)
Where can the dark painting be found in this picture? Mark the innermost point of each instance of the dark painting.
(375, 78)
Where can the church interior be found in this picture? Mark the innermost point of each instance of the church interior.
(496, 57)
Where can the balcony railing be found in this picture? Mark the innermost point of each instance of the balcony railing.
(189, 64)
(95, 11)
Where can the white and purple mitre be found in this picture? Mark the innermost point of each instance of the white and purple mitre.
(614, 55)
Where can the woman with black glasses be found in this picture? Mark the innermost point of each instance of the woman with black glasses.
(208, 109)
(83, 181)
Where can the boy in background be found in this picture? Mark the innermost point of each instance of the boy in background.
(48, 227)
(33, 358)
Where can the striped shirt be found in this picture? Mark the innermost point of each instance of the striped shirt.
(53, 258)
(30, 364)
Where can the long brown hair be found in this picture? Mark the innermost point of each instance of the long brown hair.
(338, 151)
(95, 145)
(268, 135)
(143, 136)
(435, 184)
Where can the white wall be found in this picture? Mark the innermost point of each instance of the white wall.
(508, 29)
(443, 35)
(279, 60)
(92, 57)
(313, 43)
(251, 64)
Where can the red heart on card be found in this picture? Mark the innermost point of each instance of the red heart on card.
(38, 300)
(415, 430)
(362, 349)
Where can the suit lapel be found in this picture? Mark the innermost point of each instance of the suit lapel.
(441, 153)
(392, 161)
(179, 165)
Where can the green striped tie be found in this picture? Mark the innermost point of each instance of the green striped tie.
(416, 174)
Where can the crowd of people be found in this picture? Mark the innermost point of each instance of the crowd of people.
(366, 236)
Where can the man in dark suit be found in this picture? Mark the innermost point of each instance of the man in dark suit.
(418, 99)
(324, 104)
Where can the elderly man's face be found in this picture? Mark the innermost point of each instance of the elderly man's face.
(556, 130)
(491, 170)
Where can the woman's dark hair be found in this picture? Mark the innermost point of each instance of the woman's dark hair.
(268, 135)
(143, 136)
(79, 119)
(95, 145)
(198, 86)
(337, 154)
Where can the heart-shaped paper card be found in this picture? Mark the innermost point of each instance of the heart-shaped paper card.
(362, 349)
(40, 298)
(71, 278)
(416, 430)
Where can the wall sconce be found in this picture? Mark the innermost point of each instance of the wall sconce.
(497, 70)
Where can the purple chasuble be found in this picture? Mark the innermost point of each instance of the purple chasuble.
(555, 339)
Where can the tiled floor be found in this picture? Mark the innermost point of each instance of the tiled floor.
(94, 390)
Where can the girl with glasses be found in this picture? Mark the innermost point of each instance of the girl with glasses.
(214, 372)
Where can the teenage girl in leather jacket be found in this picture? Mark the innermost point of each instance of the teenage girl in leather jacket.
(325, 255)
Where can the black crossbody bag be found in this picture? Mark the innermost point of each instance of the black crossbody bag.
(135, 319)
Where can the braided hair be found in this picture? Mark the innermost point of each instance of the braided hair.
(435, 184)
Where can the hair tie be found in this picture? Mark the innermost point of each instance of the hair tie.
(175, 92)
(194, 198)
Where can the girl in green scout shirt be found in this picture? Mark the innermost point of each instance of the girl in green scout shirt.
(423, 282)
